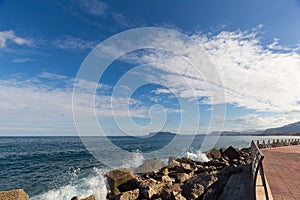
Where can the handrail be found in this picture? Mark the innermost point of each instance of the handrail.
(257, 157)
(277, 143)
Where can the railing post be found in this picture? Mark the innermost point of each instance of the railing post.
(257, 157)
(262, 174)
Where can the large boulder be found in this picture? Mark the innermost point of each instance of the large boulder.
(118, 177)
(196, 186)
(186, 167)
(185, 160)
(178, 196)
(129, 195)
(18, 194)
(170, 192)
(231, 153)
(167, 179)
(150, 187)
(173, 165)
(214, 154)
(180, 177)
(150, 165)
(92, 197)
(147, 192)
(217, 187)
(129, 185)
(179, 167)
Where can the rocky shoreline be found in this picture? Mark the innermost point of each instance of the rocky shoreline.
(181, 178)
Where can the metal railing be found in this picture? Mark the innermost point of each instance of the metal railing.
(257, 157)
(277, 143)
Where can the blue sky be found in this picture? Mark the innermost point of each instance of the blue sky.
(254, 46)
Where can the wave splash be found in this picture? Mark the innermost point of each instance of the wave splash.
(196, 156)
(135, 160)
(93, 184)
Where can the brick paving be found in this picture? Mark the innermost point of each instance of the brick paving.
(282, 169)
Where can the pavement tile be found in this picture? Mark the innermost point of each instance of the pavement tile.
(282, 169)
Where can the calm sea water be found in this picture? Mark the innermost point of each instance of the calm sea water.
(61, 167)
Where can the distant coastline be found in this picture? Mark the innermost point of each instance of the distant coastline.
(162, 134)
(224, 133)
(227, 133)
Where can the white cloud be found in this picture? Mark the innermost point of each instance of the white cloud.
(49, 75)
(21, 60)
(162, 91)
(93, 7)
(10, 36)
(259, 122)
(74, 44)
(255, 76)
(261, 77)
(44, 103)
(52, 94)
(121, 19)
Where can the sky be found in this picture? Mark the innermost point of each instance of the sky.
(213, 65)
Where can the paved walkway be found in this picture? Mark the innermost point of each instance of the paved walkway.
(282, 169)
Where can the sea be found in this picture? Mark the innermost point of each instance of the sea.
(62, 167)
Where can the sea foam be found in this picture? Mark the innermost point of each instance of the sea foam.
(197, 156)
(94, 184)
(135, 160)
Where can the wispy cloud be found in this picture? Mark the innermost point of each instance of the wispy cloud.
(74, 43)
(255, 76)
(52, 76)
(93, 7)
(44, 102)
(259, 122)
(10, 37)
(21, 60)
(122, 20)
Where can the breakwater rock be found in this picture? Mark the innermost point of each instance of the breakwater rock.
(181, 179)
(92, 197)
(18, 194)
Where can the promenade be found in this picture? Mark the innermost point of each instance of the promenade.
(282, 170)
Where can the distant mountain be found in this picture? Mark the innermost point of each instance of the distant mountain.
(225, 133)
(234, 133)
(162, 134)
(254, 131)
(290, 128)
